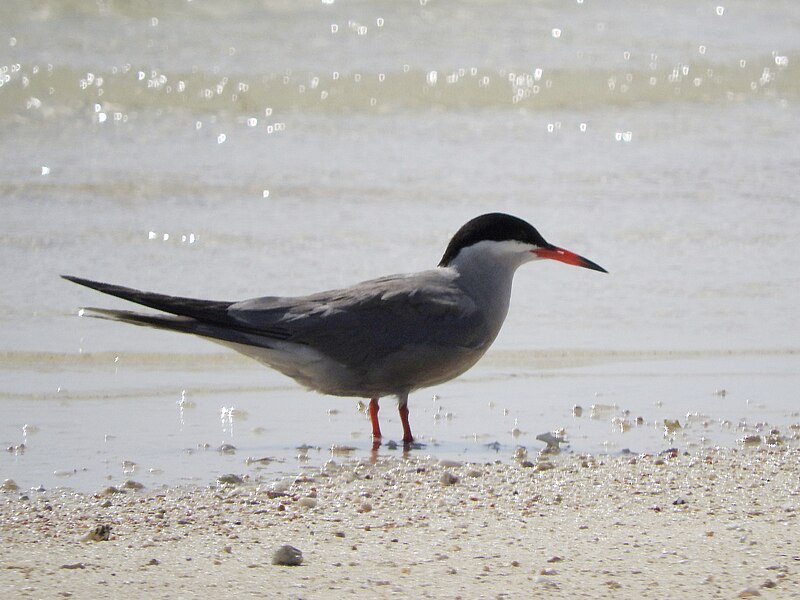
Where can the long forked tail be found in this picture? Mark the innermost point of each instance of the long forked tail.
(207, 318)
(207, 310)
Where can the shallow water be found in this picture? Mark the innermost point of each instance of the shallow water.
(312, 145)
(100, 419)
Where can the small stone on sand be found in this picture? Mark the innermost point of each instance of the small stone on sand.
(229, 479)
(551, 441)
(448, 478)
(307, 502)
(101, 533)
(9, 485)
(287, 556)
(130, 484)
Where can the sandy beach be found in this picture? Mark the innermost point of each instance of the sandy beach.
(720, 523)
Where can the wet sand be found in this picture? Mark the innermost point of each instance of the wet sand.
(719, 523)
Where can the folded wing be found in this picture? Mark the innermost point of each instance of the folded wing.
(356, 326)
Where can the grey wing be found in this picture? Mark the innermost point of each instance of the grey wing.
(375, 319)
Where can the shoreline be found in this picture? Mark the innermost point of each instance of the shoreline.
(713, 523)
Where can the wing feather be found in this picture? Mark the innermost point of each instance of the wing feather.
(372, 320)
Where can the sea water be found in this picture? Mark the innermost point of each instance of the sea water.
(246, 148)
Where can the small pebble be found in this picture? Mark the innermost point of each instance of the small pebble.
(287, 556)
(229, 479)
(748, 593)
(307, 502)
(551, 441)
(130, 484)
(9, 485)
(101, 533)
(282, 485)
(448, 478)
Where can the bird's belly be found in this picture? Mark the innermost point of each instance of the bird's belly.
(412, 368)
(417, 367)
(308, 367)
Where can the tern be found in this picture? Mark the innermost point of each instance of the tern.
(383, 337)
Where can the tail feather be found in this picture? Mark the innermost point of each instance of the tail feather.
(207, 310)
(175, 323)
(207, 318)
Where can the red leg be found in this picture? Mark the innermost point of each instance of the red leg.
(373, 416)
(407, 437)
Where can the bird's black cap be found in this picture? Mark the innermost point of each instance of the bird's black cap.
(495, 227)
